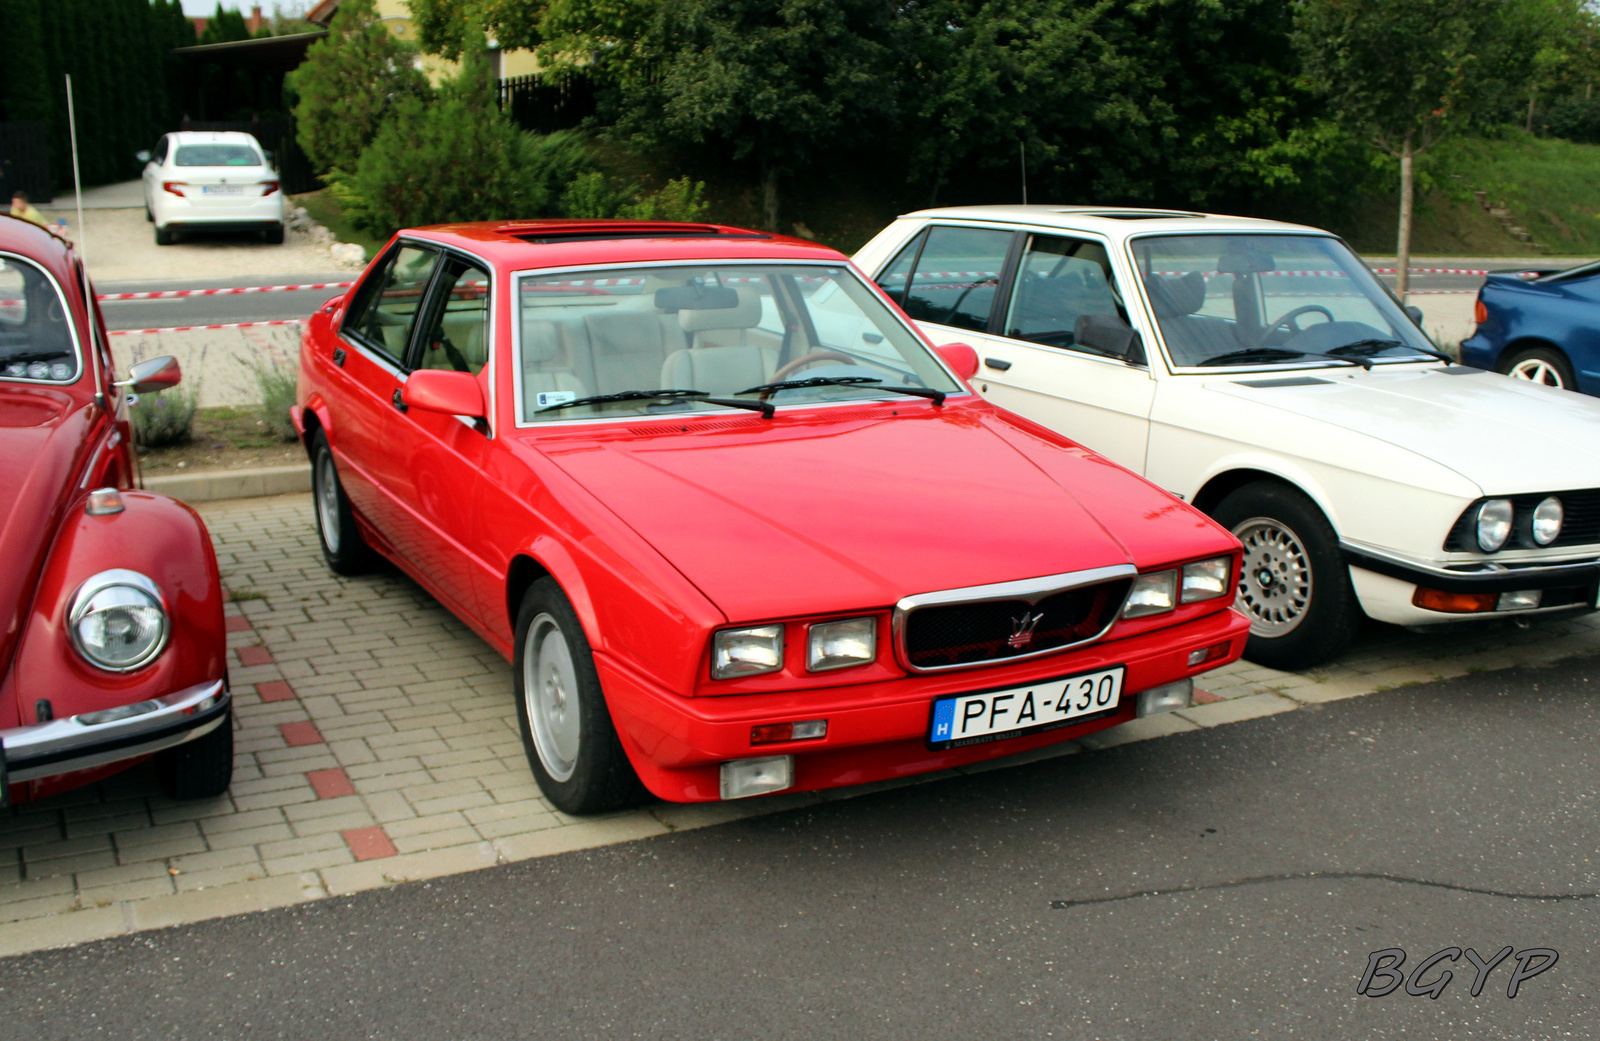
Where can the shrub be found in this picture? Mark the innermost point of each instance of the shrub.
(593, 195)
(166, 418)
(277, 386)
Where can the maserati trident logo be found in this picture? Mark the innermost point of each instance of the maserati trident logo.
(1022, 630)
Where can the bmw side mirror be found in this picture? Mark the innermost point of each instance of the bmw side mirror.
(147, 377)
(1109, 334)
(143, 156)
(1414, 313)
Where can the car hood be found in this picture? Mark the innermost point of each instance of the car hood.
(792, 517)
(1506, 436)
(41, 439)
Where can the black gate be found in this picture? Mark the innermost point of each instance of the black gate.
(25, 161)
(542, 107)
(276, 134)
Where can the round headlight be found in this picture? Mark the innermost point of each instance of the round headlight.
(1547, 518)
(118, 620)
(1494, 524)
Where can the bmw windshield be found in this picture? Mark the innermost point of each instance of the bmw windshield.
(1270, 300)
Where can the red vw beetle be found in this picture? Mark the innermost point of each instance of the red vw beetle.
(111, 634)
(738, 527)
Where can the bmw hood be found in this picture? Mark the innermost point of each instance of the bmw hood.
(799, 516)
(1506, 436)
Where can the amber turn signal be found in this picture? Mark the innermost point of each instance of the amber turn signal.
(771, 733)
(1455, 603)
(1480, 314)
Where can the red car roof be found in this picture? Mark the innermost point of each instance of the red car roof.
(563, 243)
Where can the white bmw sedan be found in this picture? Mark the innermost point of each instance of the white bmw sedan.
(197, 180)
(1260, 371)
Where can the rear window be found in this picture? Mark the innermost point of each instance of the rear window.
(36, 337)
(216, 155)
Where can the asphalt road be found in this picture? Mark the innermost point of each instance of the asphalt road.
(211, 310)
(1222, 883)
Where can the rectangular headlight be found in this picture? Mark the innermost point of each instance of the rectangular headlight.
(1206, 579)
(746, 652)
(1151, 594)
(838, 645)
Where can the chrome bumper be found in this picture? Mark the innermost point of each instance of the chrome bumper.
(65, 745)
(1478, 578)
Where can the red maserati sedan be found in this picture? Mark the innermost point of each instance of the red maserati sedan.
(112, 645)
(738, 526)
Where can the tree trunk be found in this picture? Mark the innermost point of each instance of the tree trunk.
(769, 197)
(1531, 96)
(1407, 198)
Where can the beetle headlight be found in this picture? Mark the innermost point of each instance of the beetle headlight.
(1494, 524)
(118, 620)
(1206, 580)
(1151, 594)
(837, 645)
(1547, 518)
(746, 652)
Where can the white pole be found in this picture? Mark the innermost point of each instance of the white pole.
(77, 183)
(1022, 155)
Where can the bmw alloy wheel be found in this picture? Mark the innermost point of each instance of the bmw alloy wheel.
(550, 688)
(1275, 585)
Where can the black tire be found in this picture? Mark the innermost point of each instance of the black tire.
(164, 236)
(343, 548)
(1295, 588)
(580, 767)
(273, 235)
(1550, 365)
(149, 216)
(199, 769)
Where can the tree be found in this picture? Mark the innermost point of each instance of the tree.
(1405, 73)
(348, 84)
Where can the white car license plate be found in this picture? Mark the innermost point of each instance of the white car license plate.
(969, 719)
(222, 189)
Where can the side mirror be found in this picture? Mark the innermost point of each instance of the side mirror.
(147, 377)
(1414, 313)
(960, 357)
(143, 155)
(268, 153)
(1109, 334)
(437, 390)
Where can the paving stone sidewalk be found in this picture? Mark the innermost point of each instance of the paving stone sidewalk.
(376, 742)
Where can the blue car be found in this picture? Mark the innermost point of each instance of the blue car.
(1545, 329)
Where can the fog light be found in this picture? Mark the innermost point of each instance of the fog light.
(1166, 698)
(1200, 657)
(743, 778)
(1521, 600)
(111, 715)
(1454, 603)
(809, 730)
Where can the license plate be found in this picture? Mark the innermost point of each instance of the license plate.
(969, 719)
(222, 189)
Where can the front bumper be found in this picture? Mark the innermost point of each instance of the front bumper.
(67, 745)
(879, 731)
(1396, 590)
(1477, 578)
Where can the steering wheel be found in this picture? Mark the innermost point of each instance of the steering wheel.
(1288, 320)
(809, 359)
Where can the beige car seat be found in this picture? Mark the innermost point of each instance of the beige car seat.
(721, 359)
(629, 347)
(546, 364)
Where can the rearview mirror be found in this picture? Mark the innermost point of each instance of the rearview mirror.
(1414, 313)
(961, 358)
(672, 299)
(147, 377)
(439, 390)
(1109, 334)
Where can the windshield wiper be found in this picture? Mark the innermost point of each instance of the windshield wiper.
(1373, 346)
(765, 408)
(936, 396)
(1250, 354)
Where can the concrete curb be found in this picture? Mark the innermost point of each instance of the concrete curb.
(212, 485)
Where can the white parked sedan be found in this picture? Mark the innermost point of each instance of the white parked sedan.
(196, 180)
(1262, 372)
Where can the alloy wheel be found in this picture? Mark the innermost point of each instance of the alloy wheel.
(1275, 585)
(328, 502)
(550, 688)
(1537, 370)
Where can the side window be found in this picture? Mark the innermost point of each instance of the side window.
(1058, 281)
(458, 326)
(892, 279)
(956, 276)
(383, 315)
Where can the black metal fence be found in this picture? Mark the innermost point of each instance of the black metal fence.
(25, 161)
(542, 107)
(276, 134)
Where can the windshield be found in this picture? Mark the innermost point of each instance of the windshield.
(1270, 300)
(36, 341)
(714, 331)
(216, 155)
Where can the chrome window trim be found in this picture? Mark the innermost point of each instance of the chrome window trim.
(61, 296)
(514, 279)
(1031, 590)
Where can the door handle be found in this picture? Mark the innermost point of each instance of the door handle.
(399, 400)
(997, 363)
(338, 356)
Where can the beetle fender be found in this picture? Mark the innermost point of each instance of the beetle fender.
(158, 537)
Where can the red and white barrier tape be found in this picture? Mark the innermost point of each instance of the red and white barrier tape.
(168, 294)
(197, 328)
